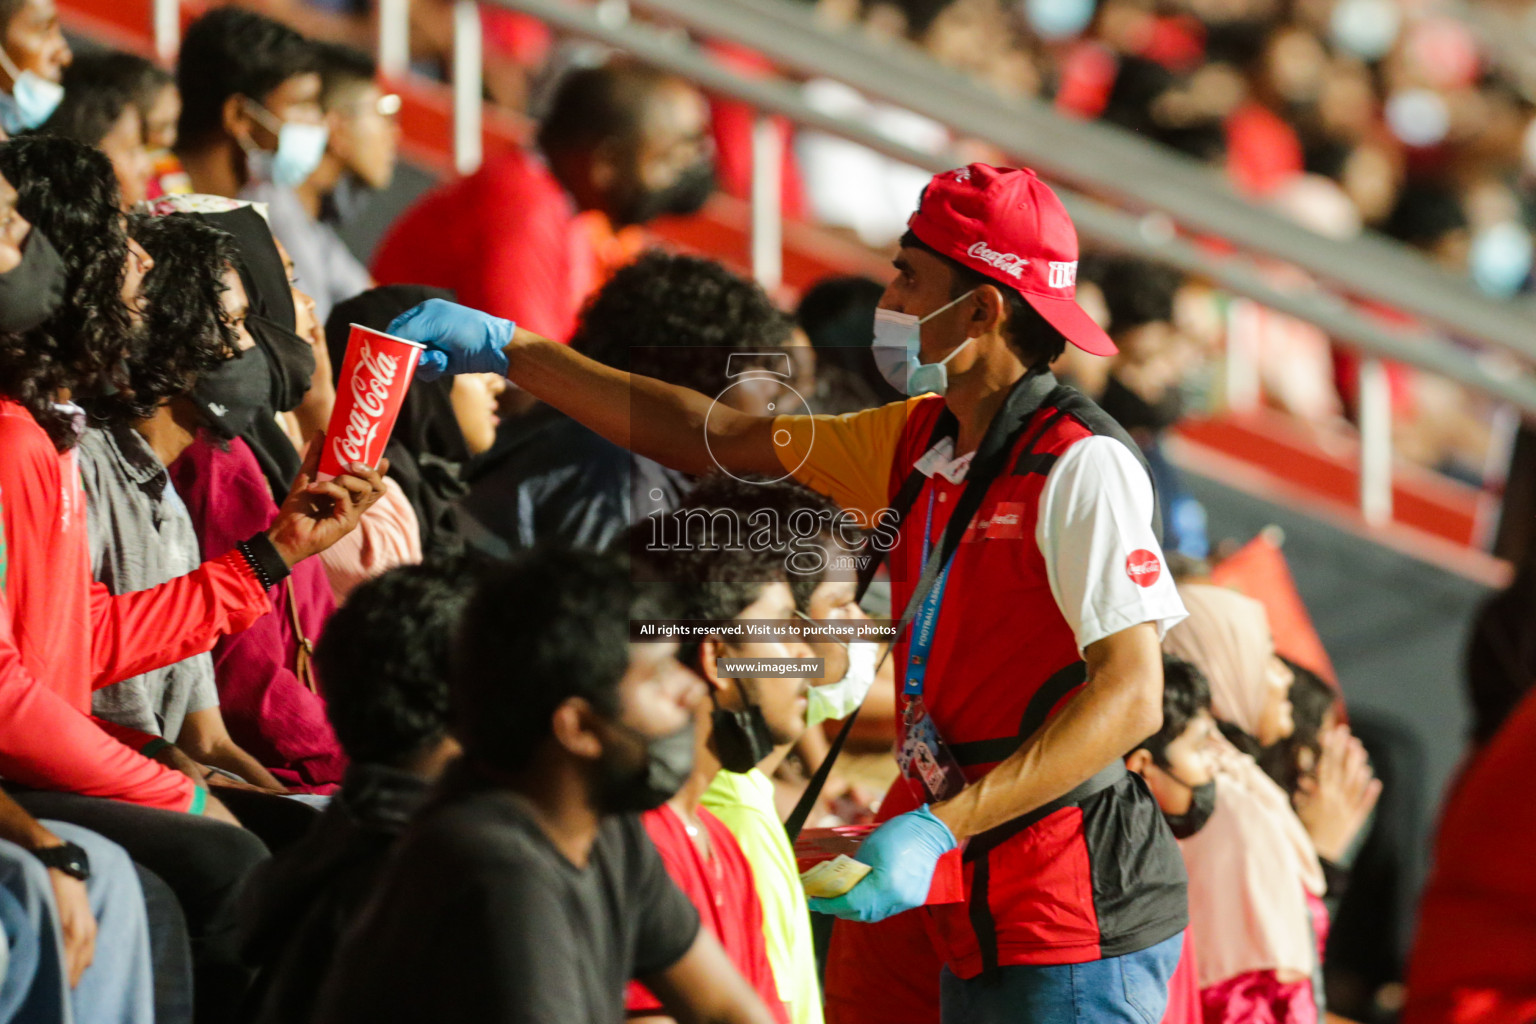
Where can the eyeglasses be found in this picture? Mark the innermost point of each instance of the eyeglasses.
(387, 105)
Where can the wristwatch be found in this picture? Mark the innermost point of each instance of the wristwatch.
(67, 858)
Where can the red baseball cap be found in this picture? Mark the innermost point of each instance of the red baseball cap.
(1007, 224)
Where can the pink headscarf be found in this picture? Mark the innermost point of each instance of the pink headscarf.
(1227, 637)
(1252, 865)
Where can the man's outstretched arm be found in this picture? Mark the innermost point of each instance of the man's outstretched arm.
(675, 426)
(704, 987)
(145, 629)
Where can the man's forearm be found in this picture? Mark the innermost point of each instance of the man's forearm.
(233, 758)
(705, 987)
(1120, 706)
(660, 421)
(19, 827)
(205, 738)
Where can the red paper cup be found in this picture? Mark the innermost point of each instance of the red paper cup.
(375, 375)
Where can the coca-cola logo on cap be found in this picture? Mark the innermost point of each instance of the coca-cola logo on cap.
(372, 381)
(1143, 567)
(1009, 263)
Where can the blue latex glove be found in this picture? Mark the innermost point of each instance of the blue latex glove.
(903, 853)
(458, 339)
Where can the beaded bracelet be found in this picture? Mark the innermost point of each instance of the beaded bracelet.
(261, 555)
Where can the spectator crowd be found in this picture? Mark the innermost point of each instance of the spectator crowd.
(1417, 121)
(414, 742)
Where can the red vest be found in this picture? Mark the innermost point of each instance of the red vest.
(1085, 882)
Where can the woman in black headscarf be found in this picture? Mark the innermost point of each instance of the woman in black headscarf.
(270, 697)
(290, 359)
(442, 425)
(280, 318)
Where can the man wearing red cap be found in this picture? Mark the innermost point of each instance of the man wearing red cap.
(1027, 562)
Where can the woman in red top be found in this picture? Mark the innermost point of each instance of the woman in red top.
(65, 328)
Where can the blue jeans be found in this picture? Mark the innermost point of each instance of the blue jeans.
(117, 988)
(19, 955)
(1129, 989)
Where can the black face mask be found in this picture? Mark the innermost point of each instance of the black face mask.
(290, 362)
(229, 397)
(742, 738)
(1202, 804)
(1133, 412)
(666, 763)
(686, 195)
(33, 290)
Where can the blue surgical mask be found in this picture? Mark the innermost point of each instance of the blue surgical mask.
(1501, 258)
(1365, 28)
(836, 701)
(32, 101)
(300, 148)
(897, 347)
(1058, 19)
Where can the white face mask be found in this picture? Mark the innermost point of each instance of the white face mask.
(32, 101)
(300, 148)
(897, 347)
(837, 700)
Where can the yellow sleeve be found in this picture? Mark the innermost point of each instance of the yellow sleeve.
(848, 457)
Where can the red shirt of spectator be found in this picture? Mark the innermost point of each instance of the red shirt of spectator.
(506, 239)
(1263, 152)
(721, 888)
(530, 235)
(1475, 958)
(1184, 988)
(62, 635)
(734, 123)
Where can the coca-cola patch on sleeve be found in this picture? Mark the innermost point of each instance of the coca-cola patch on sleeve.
(1143, 567)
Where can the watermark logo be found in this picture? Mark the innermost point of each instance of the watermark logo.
(834, 543)
(760, 381)
(759, 509)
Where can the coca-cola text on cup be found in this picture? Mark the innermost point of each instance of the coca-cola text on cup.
(375, 375)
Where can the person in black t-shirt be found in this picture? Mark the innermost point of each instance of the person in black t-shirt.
(383, 663)
(527, 891)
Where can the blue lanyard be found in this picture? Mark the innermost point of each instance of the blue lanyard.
(927, 617)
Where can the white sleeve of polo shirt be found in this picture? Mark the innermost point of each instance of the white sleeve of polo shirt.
(1106, 569)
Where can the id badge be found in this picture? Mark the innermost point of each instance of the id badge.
(924, 758)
